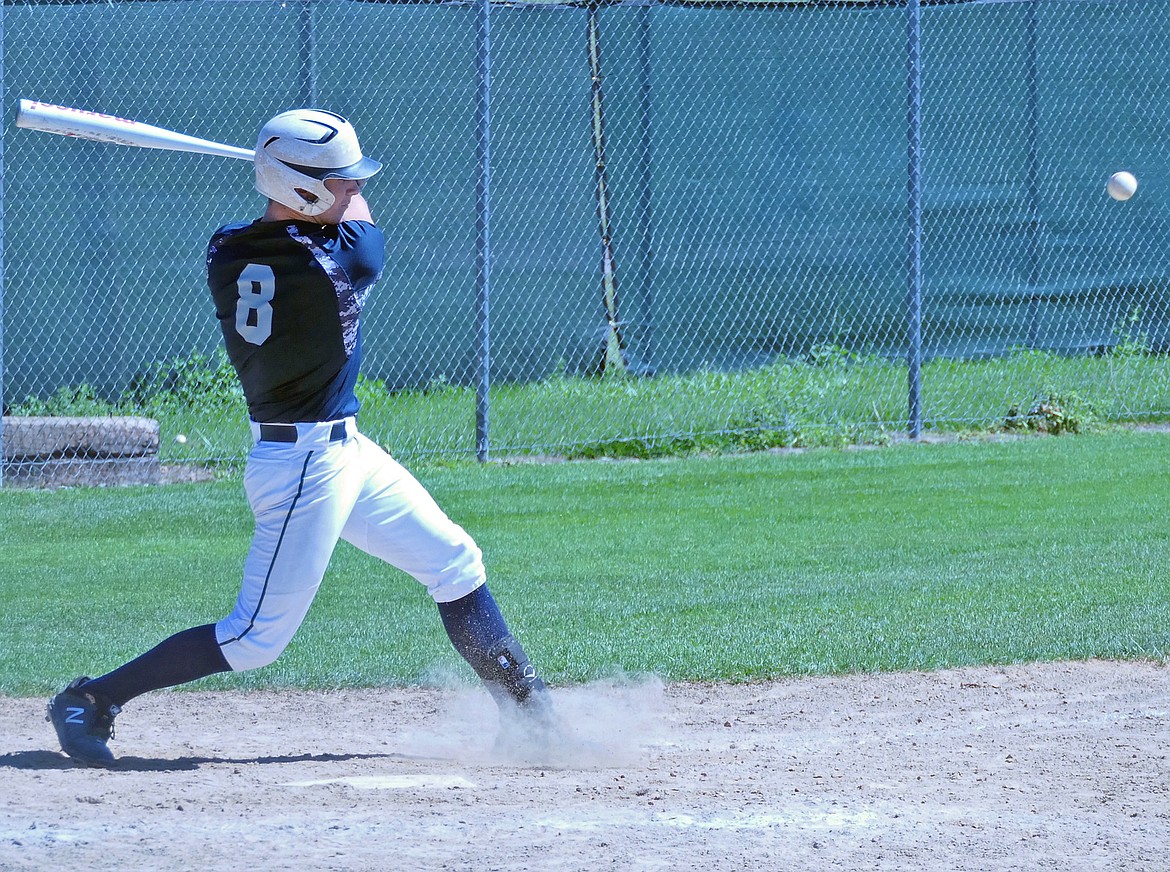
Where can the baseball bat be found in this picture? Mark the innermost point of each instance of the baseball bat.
(67, 121)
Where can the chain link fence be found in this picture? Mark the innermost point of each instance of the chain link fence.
(704, 219)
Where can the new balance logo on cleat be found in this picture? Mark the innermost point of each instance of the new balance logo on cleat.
(83, 725)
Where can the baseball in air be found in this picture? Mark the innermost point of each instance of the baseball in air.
(1121, 186)
(181, 439)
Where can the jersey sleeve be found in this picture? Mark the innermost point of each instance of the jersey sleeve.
(362, 250)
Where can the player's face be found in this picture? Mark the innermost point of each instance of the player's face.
(343, 191)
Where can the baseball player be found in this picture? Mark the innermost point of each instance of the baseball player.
(289, 289)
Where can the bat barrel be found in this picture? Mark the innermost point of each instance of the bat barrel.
(81, 123)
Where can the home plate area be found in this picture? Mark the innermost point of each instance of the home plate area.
(969, 769)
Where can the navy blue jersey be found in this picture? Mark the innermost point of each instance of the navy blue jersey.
(289, 297)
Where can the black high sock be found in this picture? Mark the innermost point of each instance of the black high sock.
(184, 657)
(478, 632)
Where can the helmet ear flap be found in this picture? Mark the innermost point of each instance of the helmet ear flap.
(283, 184)
(308, 196)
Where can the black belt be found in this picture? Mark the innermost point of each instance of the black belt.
(288, 432)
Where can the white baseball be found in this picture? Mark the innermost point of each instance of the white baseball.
(181, 439)
(1121, 186)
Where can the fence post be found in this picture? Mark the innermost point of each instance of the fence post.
(308, 49)
(483, 260)
(914, 208)
(645, 192)
(1033, 179)
(3, 242)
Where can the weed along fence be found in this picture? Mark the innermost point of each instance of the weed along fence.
(615, 227)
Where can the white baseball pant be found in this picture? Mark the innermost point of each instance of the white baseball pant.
(308, 494)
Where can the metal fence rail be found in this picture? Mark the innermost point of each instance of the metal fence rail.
(614, 221)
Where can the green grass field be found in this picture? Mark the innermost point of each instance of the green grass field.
(713, 568)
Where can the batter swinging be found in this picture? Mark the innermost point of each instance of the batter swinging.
(288, 291)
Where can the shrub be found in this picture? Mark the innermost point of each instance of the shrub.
(1051, 413)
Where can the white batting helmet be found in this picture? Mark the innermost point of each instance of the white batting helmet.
(298, 150)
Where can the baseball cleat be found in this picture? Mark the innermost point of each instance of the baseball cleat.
(83, 726)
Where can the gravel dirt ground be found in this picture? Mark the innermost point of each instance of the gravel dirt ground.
(1055, 766)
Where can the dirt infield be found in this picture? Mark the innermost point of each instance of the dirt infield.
(1026, 767)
